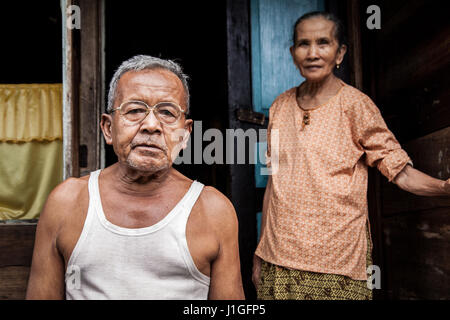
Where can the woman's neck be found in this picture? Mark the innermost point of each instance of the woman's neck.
(324, 88)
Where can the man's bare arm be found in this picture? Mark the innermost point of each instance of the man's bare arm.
(46, 279)
(226, 281)
(419, 183)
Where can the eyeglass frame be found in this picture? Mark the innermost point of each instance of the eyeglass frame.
(149, 109)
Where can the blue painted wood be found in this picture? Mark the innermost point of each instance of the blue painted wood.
(273, 71)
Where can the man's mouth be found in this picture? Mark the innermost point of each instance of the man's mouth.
(148, 147)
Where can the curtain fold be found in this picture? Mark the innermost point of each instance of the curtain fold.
(30, 112)
(30, 147)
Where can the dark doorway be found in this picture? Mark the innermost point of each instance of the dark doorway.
(190, 33)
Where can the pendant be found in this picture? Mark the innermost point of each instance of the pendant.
(306, 118)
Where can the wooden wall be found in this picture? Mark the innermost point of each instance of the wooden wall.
(16, 248)
(85, 96)
(406, 71)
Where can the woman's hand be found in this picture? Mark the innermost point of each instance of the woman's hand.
(447, 186)
(256, 272)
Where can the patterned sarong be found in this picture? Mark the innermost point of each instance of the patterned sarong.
(279, 283)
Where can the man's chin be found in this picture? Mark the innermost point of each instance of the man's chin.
(148, 167)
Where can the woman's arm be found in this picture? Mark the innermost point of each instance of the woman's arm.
(421, 184)
(256, 273)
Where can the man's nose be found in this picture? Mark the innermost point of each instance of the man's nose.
(151, 123)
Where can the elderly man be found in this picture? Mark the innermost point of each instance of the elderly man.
(139, 229)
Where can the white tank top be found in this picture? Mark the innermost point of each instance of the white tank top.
(112, 262)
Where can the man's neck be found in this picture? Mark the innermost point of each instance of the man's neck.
(138, 183)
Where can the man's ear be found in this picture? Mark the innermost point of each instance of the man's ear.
(188, 129)
(106, 125)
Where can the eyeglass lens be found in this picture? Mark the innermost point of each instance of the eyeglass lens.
(165, 112)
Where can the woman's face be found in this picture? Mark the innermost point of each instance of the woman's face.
(316, 50)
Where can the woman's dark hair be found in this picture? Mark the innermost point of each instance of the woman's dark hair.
(339, 30)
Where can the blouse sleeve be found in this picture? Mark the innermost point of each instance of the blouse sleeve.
(269, 129)
(379, 144)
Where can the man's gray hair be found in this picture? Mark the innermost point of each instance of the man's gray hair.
(143, 62)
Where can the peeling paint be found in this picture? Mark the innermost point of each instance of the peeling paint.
(444, 229)
(438, 270)
(423, 226)
(432, 235)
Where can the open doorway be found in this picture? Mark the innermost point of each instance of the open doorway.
(194, 36)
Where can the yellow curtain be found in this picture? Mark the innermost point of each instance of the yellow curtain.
(30, 147)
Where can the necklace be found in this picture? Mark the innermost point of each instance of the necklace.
(306, 118)
(306, 115)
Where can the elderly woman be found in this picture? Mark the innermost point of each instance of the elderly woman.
(315, 241)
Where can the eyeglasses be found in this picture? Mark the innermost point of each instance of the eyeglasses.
(135, 112)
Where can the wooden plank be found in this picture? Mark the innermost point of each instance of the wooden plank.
(417, 260)
(430, 154)
(239, 96)
(16, 244)
(13, 281)
(70, 94)
(91, 85)
(429, 58)
(355, 50)
(400, 13)
(417, 111)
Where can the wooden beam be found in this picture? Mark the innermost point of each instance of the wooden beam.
(91, 85)
(428, 59)
(70, 94)
(354, 35)
(239, 96)
(16, 244)
(417, 246)
(14, 280)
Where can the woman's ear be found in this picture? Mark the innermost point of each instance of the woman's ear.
(341, 53)
(106, 125)
(291, 50)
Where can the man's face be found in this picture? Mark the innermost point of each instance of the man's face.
(149, 146)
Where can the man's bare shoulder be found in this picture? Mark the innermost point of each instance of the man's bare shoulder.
(64, 199)
(69, 191)
(217, 209)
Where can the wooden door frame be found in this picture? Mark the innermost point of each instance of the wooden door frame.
(83, 88)
(240, 97)
(82, 103)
